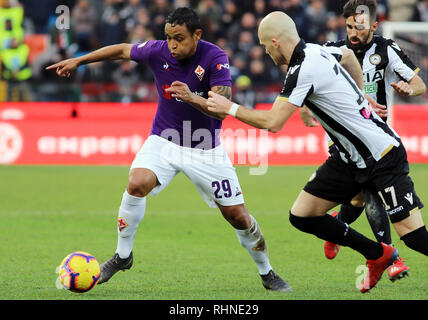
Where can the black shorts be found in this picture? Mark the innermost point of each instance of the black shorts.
(388, 178)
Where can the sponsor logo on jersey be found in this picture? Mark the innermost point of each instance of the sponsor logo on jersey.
(375, 59)
(167, 95)
(121, 224)
(373, 76)
(165, 66)
(366, 112)
(221, 66)
(393, 211)
(199, 71)
(409, 197)
(370, 88)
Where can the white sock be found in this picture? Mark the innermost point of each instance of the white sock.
(131, 212)
(252, 239)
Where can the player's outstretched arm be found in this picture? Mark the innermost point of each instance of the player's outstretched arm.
(113, 52)
(273, 120)
(181, 91)
(415, 87)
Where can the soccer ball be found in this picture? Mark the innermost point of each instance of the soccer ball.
(79, 272)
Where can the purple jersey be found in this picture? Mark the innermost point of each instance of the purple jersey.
(175, 120)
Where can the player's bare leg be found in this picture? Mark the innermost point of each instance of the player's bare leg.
(132, 209)
(308, 214)
(251, 238)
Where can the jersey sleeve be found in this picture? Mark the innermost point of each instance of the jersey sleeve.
(141, 52)
(400, 63)
(298, 85)
(334, 51)
(220, 70)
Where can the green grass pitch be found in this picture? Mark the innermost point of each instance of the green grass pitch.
(183, 250)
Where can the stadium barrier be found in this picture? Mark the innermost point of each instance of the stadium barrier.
(111, 134)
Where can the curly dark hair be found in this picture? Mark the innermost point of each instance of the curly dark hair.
(186, 16)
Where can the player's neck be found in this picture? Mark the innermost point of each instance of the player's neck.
(288, 49)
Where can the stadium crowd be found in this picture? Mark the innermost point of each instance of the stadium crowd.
(30, 40)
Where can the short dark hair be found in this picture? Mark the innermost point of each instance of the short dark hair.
(186, 16)
(350, 8)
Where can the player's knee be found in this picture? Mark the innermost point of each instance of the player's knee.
(237, 216)
(138, 187)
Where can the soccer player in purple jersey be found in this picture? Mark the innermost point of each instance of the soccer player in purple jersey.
(184, 137)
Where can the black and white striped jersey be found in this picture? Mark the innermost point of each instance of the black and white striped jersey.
(316, 79)
(382, 62)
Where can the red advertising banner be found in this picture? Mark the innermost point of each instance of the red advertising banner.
(111, 134)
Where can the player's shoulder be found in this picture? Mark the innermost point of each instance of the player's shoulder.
(211, 48)
(338, 43)
(384, 42)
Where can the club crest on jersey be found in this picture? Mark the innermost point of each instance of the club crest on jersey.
(121, 224)
(200, 72)
(375, 59)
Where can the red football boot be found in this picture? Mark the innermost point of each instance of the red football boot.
(398, 270)
(378, 266)
(331, 249)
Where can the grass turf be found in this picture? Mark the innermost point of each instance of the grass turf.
(183, 249)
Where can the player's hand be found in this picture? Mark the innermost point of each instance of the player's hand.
(181, 91)
(380, 109)
(402, 87)
(308, 118)
(218, 104)
(64, 68)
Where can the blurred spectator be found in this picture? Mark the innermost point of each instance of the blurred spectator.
(260, 10)
(238, 66)
(421, 11)
(245, 43)
(39, 12)
(159, 10)
(382, 10)
(243, 92)
(297, 10)
(126, 79)
(336, 6)
(230, 15)
(401, 10)
(258, 72)
(246, 23)
(16, 71)
(112, 27)
(315, 25)
(231, 24)
(332, 28)
(84, 21)
(132, 12)
(11, 17)
(210, 14)
(140, 34)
